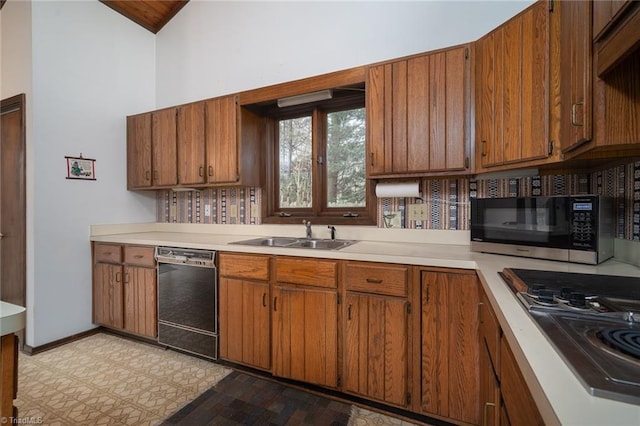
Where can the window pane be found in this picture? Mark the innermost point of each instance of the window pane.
(295, 163)
(346, 158)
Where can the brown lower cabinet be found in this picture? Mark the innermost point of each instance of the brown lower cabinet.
(504, 396)
(448, 355)
(125, 288)
(244, 314)
(418, 338)
(9, 374)
(376, 332)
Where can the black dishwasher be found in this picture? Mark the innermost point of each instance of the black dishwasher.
(187, 300)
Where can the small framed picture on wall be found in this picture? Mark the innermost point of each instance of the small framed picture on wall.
(81, 168)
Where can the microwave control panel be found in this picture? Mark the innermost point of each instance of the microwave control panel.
(584, 219)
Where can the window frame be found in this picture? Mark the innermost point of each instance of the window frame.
(319, 212)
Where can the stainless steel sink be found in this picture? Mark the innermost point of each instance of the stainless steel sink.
(291, 242)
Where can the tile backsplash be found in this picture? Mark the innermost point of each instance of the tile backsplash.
(447, 200)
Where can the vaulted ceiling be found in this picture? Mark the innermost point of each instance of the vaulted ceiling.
(150, 14)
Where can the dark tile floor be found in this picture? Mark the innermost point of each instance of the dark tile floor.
(241, 399)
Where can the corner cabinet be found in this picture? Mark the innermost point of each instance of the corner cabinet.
(513, 91)
(245, 326)
(377, 344)
(305, 320)
(448, 356)
(125, 289)
(418, 115)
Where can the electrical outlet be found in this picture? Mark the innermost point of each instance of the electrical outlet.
(207, 210)
(232, 210)
(173, 211)
(417, 212)
(255, 210)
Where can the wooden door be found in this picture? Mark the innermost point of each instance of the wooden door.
(534, 98)
(140, 301)
(164, 152)
(108, 301)
(139, 172)
(222, 140)
(489, 390)
(305, 335)
(376, 353)
(489, 99)
(244, 322)
(190, 130)
(449, 338)
(575, 74)
(13, 244)
(377, 117)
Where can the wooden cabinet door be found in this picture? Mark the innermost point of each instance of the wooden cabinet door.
(305, 335)
(519, 405)
(489, 390)
(107, 295)
(244, 322)
(417, 114)
(377, 118)
(512, 95)
(221, 135)
(604, 12)
(139, 151)
(376, 352)
(163, 130)
(575, 74)
(449, 339)
(190, 134)
(140, 301)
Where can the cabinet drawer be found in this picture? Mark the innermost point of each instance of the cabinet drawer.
(139, 255)
(108, 253)
(380, 279)
(250, 266)
(315, 272)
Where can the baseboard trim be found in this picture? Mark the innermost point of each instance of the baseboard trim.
(31, 350)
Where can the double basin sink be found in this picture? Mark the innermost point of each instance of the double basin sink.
(292, 242)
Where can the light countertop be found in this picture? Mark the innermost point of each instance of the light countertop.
(12, 318)
(560, 397)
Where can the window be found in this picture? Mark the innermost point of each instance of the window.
(319, 166)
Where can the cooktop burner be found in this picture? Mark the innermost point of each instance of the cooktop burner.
(623, 339)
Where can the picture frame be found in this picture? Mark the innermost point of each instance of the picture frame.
(81, 168)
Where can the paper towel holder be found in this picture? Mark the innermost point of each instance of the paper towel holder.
(402, 189)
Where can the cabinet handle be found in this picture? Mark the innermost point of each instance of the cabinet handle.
(349, 312)
(483, 151)
(210, 171)
(374, 280)
(484, 412)
(155, 175)
(147, 175)
(201, 171)
(118, 278)
(480, 316)
(574, 114)
(264, 299)
(275, 304)
(126, 278)
(372, 159)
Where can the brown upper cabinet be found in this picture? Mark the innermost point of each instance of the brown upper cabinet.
(575, 74)
(418, 115)
(513, 91)
(616, 30)
(207, 143)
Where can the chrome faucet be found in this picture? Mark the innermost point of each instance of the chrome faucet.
(333, 231)
(308, 225)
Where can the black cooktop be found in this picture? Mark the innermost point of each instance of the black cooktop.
(603, 285)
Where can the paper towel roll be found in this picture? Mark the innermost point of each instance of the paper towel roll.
(398, 189)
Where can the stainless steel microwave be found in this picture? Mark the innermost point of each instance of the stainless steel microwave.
(566, 228)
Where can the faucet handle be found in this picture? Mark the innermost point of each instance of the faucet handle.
(333, 231)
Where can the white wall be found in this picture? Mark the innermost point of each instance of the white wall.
(213, 48)
(91, 68)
